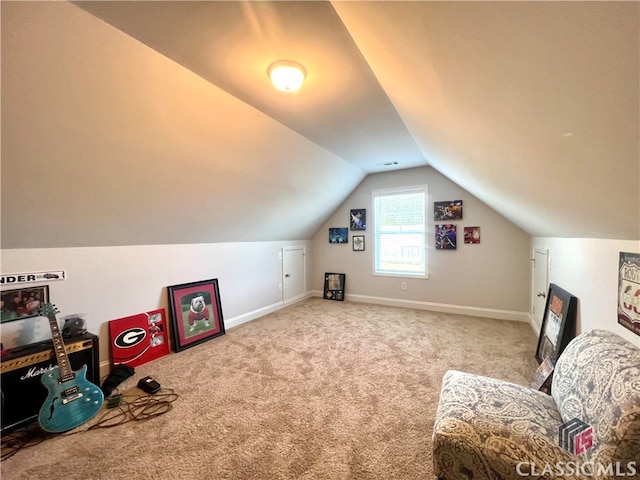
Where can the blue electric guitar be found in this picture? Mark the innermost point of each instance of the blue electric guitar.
(72, 399)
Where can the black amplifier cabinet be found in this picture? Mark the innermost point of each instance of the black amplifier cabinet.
(21, 368)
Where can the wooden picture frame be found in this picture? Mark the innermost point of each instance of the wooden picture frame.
(358, 243)
(196, 313)
(334, 286)
(21, 303)
(558, 324)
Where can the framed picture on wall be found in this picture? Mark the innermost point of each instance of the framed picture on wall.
(447, 210)
(21, 303)
(471, 234)
(446, 236)
(196, 313)
(629, 291)
(558, 323)
(334, 286)
(358, 219)
(358, 243)
(338, 235)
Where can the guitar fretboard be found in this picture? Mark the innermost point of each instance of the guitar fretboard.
(66, 373)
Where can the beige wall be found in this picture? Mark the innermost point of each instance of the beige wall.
(588, 269)
(492, 275)
(107, 283)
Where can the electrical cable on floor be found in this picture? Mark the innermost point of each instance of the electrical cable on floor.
(121, 409)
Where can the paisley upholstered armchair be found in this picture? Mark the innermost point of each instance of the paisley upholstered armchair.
(589, 427)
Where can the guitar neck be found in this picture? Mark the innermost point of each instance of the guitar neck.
(66, 373)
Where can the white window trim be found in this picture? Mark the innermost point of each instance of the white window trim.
(402, 190)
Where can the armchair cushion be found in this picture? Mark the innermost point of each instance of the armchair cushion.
(491, 429)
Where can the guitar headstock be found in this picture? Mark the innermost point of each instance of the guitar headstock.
(48, 310)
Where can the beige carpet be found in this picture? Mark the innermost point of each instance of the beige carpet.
(318, 390)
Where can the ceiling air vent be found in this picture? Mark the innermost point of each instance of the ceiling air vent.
(387, 164)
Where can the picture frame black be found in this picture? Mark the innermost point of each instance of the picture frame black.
(21, 303)
(357, 242)
(334, 286)
(196, 313)
(558, 324)
(358, 219)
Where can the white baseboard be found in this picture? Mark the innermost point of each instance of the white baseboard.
(105, 367)
(247, 317)
(438, 307)
(392, 302)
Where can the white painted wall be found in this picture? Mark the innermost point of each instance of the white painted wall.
(107, 283)
(588, 269)
(488, 279)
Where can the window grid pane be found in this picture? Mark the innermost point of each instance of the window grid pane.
(399, 232)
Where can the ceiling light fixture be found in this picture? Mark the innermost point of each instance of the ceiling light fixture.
(287, 75)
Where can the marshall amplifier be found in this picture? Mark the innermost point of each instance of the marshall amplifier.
(22, 390)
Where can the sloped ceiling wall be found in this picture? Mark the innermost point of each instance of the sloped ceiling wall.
(530, 106)
(106, 142)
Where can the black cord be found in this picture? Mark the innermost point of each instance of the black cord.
(143, 407)
(132, 408)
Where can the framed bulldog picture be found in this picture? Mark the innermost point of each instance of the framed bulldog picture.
(196, 313)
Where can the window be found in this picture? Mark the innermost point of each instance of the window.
(399, 228)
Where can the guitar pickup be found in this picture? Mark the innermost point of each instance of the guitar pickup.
(71, 394)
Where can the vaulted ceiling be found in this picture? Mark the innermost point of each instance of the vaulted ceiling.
(533, 107)
(166, 110)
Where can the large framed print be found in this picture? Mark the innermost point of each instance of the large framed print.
(558, 323)
(138, 339)
(196, 313)
(629, 291)
(21, 303)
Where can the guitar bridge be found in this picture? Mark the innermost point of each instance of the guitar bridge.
(71, 394)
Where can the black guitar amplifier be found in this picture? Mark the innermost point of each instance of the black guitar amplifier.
(21, 368)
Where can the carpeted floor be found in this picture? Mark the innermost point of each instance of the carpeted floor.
(318, 390)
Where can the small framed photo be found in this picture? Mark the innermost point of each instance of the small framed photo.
(338, 235)
(196, 313)
(449, 210)
(22, 303)
(358, 219)
(471, 234)
(358, 243)
(334, 286)
(558, 324)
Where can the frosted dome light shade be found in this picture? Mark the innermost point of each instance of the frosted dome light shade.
(287, 76)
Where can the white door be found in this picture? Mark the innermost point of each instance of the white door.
(294, 273)
(540, 285)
